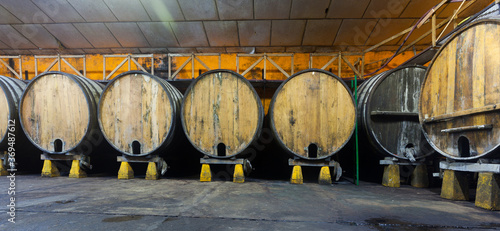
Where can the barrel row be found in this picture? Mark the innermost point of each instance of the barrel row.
(312, 113)
(220, 113)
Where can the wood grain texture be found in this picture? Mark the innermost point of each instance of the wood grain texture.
(56, 106)
(396, 93)
(221, 107)
(313, 107)
(138, 107)
(463, 77)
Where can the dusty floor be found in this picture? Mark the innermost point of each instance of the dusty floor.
(105, 203)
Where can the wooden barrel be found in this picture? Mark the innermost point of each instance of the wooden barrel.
(58, 113)
(313, 114)
(11, 91)
(138, 113)
(388, 113)
(460, 95)
(221, 113)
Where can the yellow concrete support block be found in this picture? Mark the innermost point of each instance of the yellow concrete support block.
(76, 171)
(206, 174)
(126, 172)
(297, 175)
(419, 177)
(324, 176)
(49, 169)
(455, 186)
(3, 170)
(152, 172)
(488, 191)
(238, 176)
(391, 176)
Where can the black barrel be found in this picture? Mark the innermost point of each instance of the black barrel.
(388, 113)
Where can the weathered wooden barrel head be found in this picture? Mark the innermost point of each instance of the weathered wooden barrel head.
(221, 113)
(138, 113)
(460, 99)
(313, 114)
(58, 113)
(10, 92)
(388, 113)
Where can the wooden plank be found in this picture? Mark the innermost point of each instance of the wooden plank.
(468, 128)
(10, 69)
(485, 109)
(252, 66)
(277, 66)
(393, 113)
(351, 66)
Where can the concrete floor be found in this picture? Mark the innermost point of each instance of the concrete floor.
(105, 203)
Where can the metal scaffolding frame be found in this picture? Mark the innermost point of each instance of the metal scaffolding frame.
(264, 57)
(127, 59)
(341, 57)
(58, 60)
(19, 57)
(192, 58)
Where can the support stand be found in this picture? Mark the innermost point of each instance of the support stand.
(242, 167)
(392, 177)
(3, 164)
(455, 184)
(156, 166)
(78, 161)
(324, 174)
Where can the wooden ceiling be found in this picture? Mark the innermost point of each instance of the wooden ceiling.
(215, 26)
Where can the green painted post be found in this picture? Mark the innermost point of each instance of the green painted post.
(356, 129)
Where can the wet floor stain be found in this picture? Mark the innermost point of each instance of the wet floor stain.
(389, 224)
(122, 218)
(170, 219)
(65, 202)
